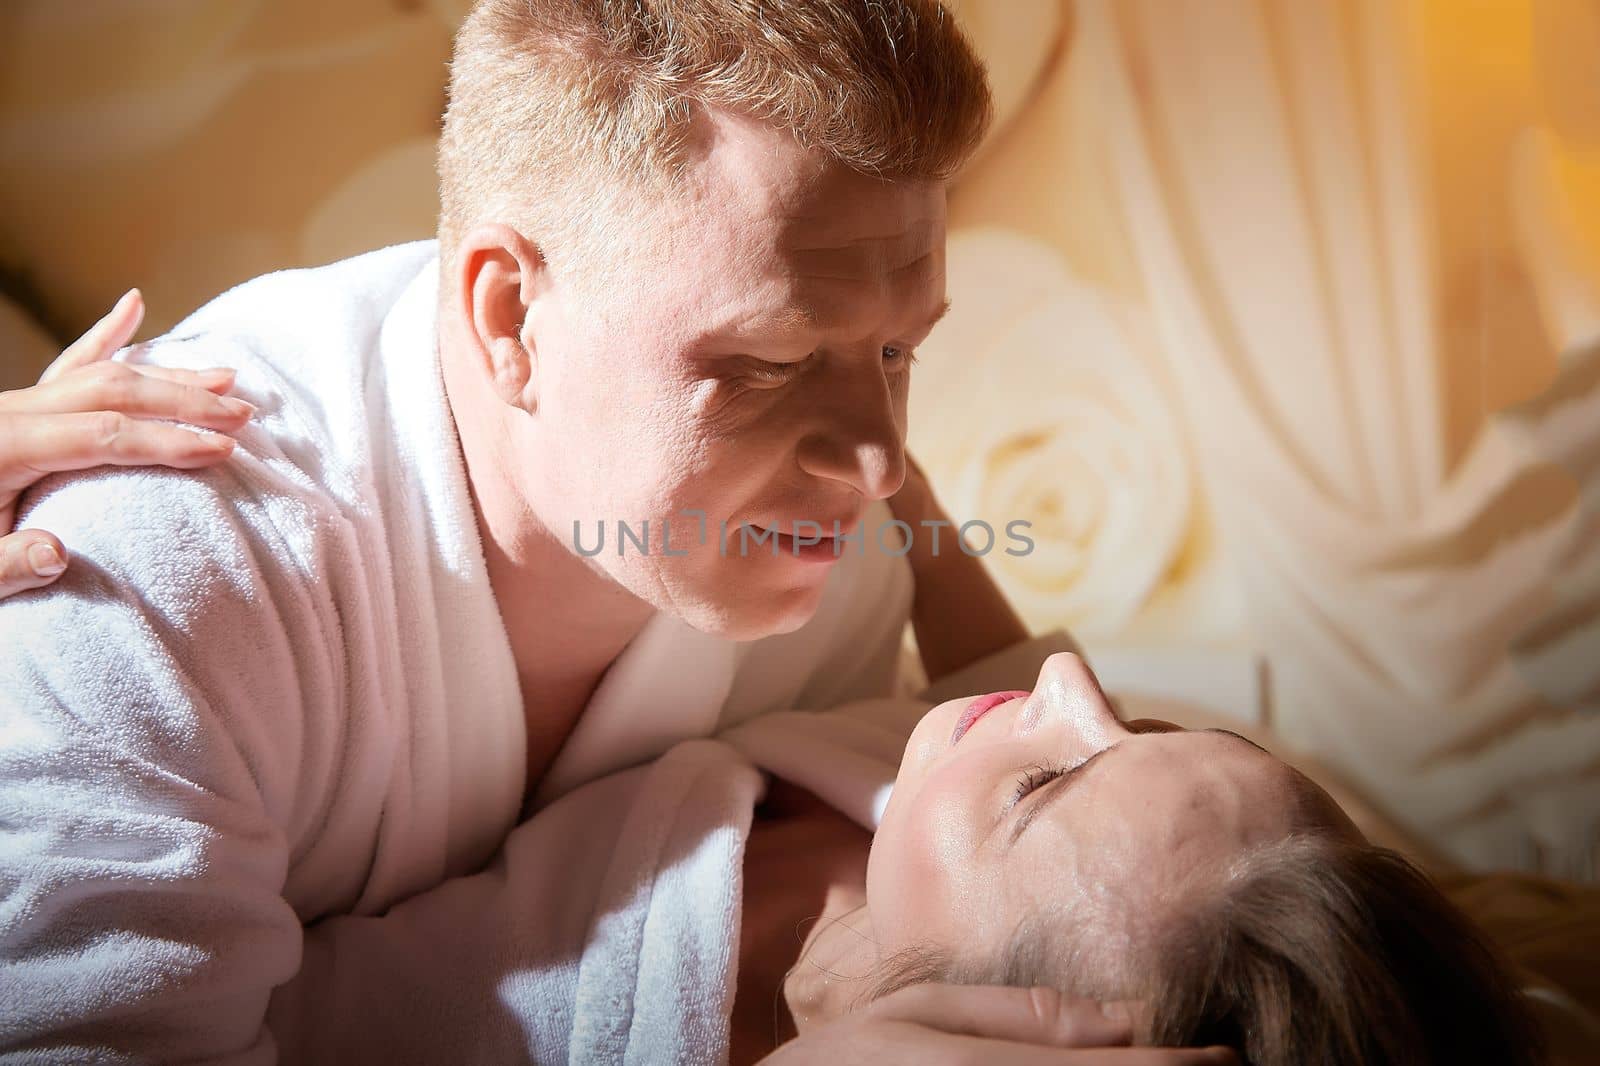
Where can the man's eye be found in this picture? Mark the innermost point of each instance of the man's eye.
(896, 356)
(777, 373)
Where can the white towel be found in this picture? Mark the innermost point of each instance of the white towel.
(255, 741)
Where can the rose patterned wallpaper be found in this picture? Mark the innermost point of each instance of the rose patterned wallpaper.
(1274, 317)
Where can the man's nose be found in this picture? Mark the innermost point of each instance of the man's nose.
(856, 438)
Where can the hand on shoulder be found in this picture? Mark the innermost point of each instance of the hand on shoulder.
(88, 411)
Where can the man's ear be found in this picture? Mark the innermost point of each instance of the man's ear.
(502, 275)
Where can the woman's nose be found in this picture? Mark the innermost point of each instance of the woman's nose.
(1069, 693)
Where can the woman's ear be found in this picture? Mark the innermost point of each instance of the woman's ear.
(503, 278)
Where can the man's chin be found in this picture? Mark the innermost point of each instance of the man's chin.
(745, 619)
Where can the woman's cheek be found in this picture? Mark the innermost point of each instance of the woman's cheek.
(913, 879)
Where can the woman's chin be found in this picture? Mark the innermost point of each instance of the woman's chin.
(931, 737)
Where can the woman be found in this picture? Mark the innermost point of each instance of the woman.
(1214, 893)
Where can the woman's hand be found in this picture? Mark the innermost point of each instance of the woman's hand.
(956, 1025)
(86, 411)
(914, 501)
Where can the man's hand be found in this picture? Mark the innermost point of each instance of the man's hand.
(88, 412)
(956, 1025)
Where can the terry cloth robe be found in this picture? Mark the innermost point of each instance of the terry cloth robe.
(634, 883)
(255, 740)
(649, 969)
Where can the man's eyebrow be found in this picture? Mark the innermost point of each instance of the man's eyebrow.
(1060, 785)
(785, 321)
(797, 318)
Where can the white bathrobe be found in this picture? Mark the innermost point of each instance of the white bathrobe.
(271, 701)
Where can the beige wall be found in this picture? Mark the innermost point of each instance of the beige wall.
(186, 146)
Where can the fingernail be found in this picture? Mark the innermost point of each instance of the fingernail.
(236, 407)
(45, 560)
(215, 440)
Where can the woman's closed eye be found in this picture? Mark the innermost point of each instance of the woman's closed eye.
(1040, 776)
(1037, 777)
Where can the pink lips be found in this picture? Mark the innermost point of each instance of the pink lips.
(980, 707)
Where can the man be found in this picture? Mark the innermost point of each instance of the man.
(276, 713)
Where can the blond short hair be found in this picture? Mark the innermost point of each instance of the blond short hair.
(552, 101)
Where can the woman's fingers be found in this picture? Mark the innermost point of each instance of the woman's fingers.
(34, 445)
(103, 338)
(87, 411)
(218, 379)
(118, 387)
(29, 559)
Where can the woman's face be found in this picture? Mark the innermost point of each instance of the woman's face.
(1048, 801)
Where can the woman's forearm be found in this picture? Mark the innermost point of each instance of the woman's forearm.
(958, 613)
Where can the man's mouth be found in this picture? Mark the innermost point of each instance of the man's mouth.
(808, 547)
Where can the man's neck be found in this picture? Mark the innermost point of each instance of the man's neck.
(566, 623)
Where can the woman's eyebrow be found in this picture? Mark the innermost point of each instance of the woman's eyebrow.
(1059, 786)
(1238, 736)
(938, 314)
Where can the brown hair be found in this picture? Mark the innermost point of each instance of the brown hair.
(555, 101)
(1314, 951)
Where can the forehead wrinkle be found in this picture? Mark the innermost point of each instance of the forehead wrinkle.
(867, 272)
(811, 315)
(863, 302)
(796, 294)
(889, 255)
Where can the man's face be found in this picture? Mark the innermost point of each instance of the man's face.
(745, 355)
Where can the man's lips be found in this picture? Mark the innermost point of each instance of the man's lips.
(809, 540)
(811, 527)
(811, 548)
(980, 707)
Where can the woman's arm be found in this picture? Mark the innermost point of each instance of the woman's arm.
(958, 613)
(85, 412)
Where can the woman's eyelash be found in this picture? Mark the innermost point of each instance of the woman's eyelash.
(1037, 777)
